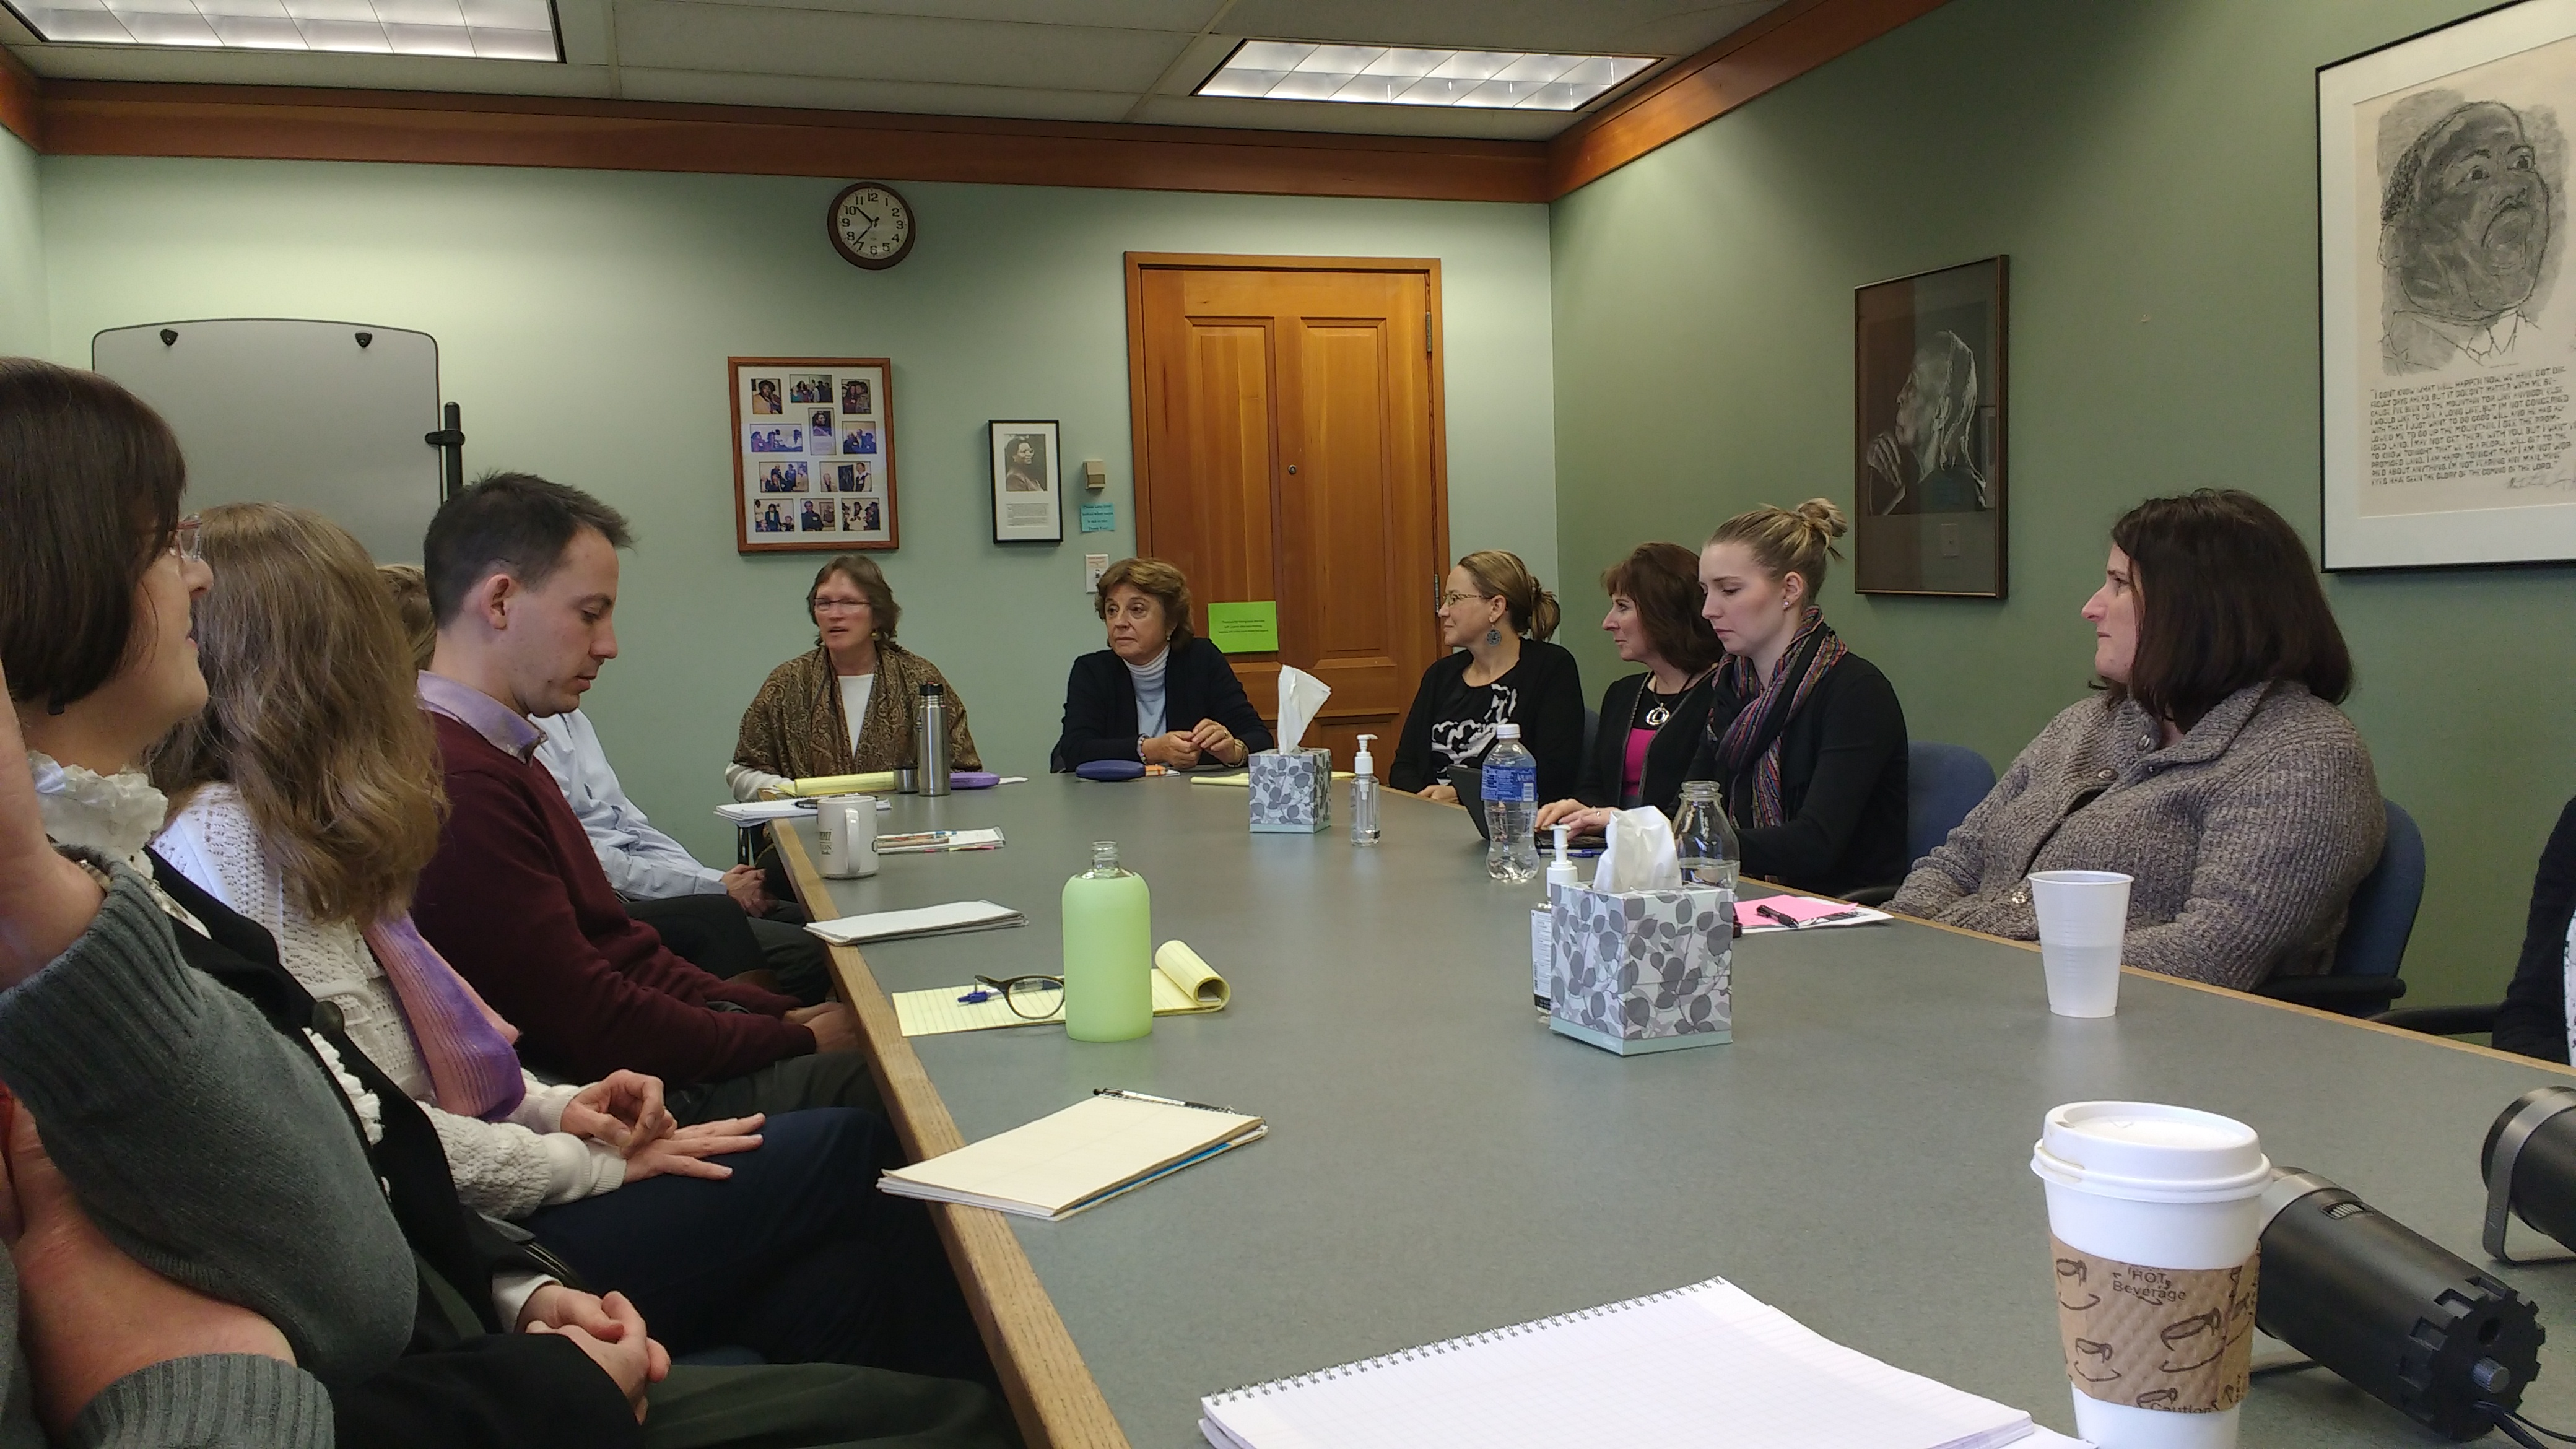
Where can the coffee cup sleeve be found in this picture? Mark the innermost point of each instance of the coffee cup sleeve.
(2179, 1340)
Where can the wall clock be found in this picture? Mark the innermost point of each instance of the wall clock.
(871, 227)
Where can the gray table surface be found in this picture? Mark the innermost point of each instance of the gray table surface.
(1439, 1163)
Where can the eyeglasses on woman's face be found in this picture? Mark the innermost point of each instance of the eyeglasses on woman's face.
(184, 540)
(826, 604)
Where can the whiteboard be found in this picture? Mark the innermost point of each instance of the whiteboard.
(275, 410)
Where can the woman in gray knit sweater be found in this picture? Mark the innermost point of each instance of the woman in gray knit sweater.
(2215, 768)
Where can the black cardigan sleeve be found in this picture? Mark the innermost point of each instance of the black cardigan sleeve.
(519, 1390)
(1551, 718)
(1605, 768)
(1099, 714)
(1862, 727)
(2533, 1019)
(1206, 688)
(1410, 771)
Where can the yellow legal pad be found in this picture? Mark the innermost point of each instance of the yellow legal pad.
(1184, 985)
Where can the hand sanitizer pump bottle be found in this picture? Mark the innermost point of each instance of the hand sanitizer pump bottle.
(1364, 795)
(1108, 951)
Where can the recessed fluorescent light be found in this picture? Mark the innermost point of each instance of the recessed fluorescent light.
(470, 29)
(1296, 70)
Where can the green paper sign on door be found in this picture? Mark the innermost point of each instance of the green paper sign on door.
(1245, 628)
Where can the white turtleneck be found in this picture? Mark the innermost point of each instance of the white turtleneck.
(1149, 692)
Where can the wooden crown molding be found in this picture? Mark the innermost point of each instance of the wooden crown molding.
(123, 118)
(1768, 52)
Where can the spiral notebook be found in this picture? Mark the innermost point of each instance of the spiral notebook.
(1707, 1364)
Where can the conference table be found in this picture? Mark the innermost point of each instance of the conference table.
(1439, 1163)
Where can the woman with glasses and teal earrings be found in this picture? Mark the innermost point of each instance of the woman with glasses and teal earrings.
(845, 706)
(1493, 612)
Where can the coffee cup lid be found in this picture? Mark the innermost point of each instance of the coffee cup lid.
(2149, 1152)
(2081, 877)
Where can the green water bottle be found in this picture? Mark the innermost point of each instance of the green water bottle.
(1108, 951)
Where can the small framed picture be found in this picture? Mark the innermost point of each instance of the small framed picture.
(805, 430)
(1028, 506)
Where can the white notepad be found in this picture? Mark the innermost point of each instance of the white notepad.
(1077, 1158)
(944, 920)
(1707, 1364)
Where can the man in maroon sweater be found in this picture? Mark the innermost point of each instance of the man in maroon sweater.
(523, 577)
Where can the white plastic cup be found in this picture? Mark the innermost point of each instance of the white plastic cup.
(2083, 922)
(845, 826)
(2161, 1187)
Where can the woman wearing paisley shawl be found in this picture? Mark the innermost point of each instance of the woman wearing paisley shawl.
(845, 706)
(1805, 737)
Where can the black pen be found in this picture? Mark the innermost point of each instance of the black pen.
(1783, 917)
(1158, 1101)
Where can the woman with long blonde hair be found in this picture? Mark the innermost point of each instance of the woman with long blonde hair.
(1496, 616)
(308, 800)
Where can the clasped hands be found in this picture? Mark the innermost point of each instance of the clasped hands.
(1180, 749)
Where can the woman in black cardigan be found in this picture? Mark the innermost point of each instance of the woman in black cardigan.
(1805, 737)
(1158, 694)
(2533, 1019)
(1490, 601)
(1651, 722)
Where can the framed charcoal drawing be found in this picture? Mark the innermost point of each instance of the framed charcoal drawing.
(1928, 448)
(1028, 477)
(2447, 328)
(813, 454)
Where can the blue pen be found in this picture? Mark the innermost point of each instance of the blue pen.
(976, 997)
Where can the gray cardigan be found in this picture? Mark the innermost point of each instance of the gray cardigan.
(209, 1150)
(2246, 836)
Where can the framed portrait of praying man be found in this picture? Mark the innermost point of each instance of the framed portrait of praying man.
(2448, 329)
(1929, 444)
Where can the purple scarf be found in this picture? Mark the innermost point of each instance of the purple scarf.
(473, 1067)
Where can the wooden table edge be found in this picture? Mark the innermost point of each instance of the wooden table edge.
(2233, 994)
(1051, 1392)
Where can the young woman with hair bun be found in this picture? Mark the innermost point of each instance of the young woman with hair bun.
(1805, 738)
(1493, 612)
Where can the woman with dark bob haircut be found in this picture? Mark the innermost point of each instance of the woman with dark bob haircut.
(2215, 768)
(1158, 694)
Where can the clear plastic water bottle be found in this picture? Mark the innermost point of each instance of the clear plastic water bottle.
(1511, 807)
(1704, 838)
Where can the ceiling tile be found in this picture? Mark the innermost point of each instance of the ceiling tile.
(1632, 27)
(825, 93)
(1183, 16)
(764, 39)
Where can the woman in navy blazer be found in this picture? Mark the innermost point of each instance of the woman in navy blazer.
(1158, 693)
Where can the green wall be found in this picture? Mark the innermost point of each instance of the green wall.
(583, 320)
(22, 250)
(2151, 170)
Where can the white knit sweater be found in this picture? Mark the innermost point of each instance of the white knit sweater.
(508, 1169)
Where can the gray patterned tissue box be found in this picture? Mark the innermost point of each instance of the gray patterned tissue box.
(1292, 791)
(1642, 971)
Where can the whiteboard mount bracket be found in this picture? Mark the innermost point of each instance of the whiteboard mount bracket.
(450, 441)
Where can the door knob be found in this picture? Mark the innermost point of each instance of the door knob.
(1292, 467)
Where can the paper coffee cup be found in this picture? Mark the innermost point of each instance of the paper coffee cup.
(845, 826)
(2154, 1215)
(2083, 922)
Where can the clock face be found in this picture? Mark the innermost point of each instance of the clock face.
(871, 226)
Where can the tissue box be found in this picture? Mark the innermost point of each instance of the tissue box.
(1292, 791)
(1642, 971)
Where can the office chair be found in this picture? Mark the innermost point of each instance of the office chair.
(2376, 928)
(1942, 784)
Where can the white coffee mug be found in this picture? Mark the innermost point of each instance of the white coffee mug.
(846, 828)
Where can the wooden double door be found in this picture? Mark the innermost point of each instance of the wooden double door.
(1289, 448)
